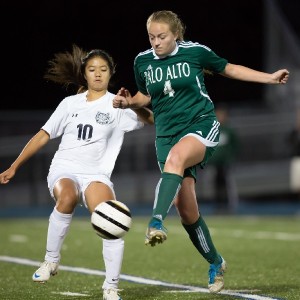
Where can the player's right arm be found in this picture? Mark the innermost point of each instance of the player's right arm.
(123, 99)
(36, 143)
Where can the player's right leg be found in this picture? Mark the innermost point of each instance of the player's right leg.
(66, 195)
(156, 233)
(58, 227)
(43, 273)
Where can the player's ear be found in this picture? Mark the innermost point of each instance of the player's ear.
(176, 36)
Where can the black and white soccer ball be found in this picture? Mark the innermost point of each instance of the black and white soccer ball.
(111, 219)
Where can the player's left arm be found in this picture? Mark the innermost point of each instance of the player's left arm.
(243, 73)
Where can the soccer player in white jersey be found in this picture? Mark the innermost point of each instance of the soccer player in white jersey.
(92, 133)
(170, 75)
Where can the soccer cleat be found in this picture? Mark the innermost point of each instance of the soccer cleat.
(216, 276)
(111, 294)
(156, 233)
(43, 273)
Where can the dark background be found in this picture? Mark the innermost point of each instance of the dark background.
(33, 31)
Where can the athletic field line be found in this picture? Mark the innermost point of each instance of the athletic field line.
(135, 279)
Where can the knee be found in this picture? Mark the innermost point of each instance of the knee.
(174, 159)
(66, 203)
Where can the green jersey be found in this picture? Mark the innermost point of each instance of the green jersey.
(176, 85)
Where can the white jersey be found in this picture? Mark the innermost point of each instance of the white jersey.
(92, 134)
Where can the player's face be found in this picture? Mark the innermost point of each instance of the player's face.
(162, 40)
(97, 74)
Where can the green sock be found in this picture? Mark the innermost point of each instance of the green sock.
(200, 236)
(165, 193)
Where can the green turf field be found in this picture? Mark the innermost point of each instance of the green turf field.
(263, 256)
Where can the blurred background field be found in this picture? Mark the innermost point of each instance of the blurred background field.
(262, 255)
(261, 179)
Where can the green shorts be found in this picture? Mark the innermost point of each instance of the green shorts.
(208, 133)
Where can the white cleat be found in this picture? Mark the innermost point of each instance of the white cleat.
(216, 277)
(43, 273)
(111, 294)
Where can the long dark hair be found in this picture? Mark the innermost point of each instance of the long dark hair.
(67, 68)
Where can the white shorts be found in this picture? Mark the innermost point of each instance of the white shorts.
(82, 181)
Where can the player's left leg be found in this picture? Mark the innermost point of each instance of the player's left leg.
(194, 224)
(112, 250)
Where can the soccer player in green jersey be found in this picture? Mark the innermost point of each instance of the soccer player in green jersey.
(170, 75)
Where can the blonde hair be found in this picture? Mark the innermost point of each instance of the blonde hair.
(174, 22)
(170, 18)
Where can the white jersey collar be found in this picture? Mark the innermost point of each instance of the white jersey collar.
(171, 54)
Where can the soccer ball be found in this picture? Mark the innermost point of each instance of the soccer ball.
(111, 219)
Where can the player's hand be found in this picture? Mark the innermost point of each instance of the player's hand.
(281, 76)
(7, 175)
(121, 100)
